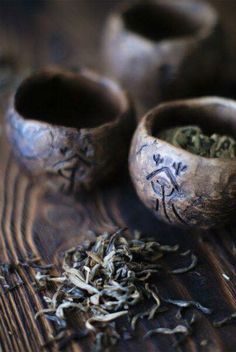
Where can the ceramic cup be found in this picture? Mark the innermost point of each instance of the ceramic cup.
(74, 128)
(163, 49)
(179, 187)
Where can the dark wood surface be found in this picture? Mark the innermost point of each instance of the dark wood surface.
(37, 223)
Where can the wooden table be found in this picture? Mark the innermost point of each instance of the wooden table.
(37, 223)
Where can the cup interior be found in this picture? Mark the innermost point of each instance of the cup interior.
(158, 21)
(70, 100)
(216, 116)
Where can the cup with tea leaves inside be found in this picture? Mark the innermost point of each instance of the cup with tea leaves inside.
(183, 161)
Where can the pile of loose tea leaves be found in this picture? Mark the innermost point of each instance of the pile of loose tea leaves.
(192, 139)
(104, 279)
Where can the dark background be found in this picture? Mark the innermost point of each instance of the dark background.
(69, 32)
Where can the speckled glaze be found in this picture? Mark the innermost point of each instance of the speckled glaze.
(163, 49)
(179, 187)
(73, 128)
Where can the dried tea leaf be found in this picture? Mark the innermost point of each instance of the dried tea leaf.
(104, 279)
(148, 313)
(95, 299)
(95, 257)
(65, 305)
(154, 295)
(167, 248)
(183, 254)
(61, 323)
(44, 311)
(224, 321)
(185, 336)
(192, 139)
(103, 319)
(135, 319)
(186, 304)
(113, 238)
(75, 278)
(191, 266)
(53, 339)
(179, 329)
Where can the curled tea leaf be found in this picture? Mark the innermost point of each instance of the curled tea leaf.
(65, 305)
(44, 311)
(106, 279)
(179, 329)
(75, 278)
(103, 319)
(195, 141)
(186, 304)
(224, 321)
(191, 266)
(95, 257)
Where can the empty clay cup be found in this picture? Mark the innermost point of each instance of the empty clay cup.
(163, 49)
(74, 128)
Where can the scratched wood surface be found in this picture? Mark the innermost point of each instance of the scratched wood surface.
(37, 223)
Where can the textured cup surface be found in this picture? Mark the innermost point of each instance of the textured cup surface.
(74, 127)
(182, 188)
(161, 49)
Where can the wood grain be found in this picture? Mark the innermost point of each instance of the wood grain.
(36, 223)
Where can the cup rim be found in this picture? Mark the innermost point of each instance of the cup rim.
(125, 103)
(202, 102)
(209, 11)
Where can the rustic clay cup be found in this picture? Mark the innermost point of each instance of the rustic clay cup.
(75, 126)
(160, 49)
(182, 188)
